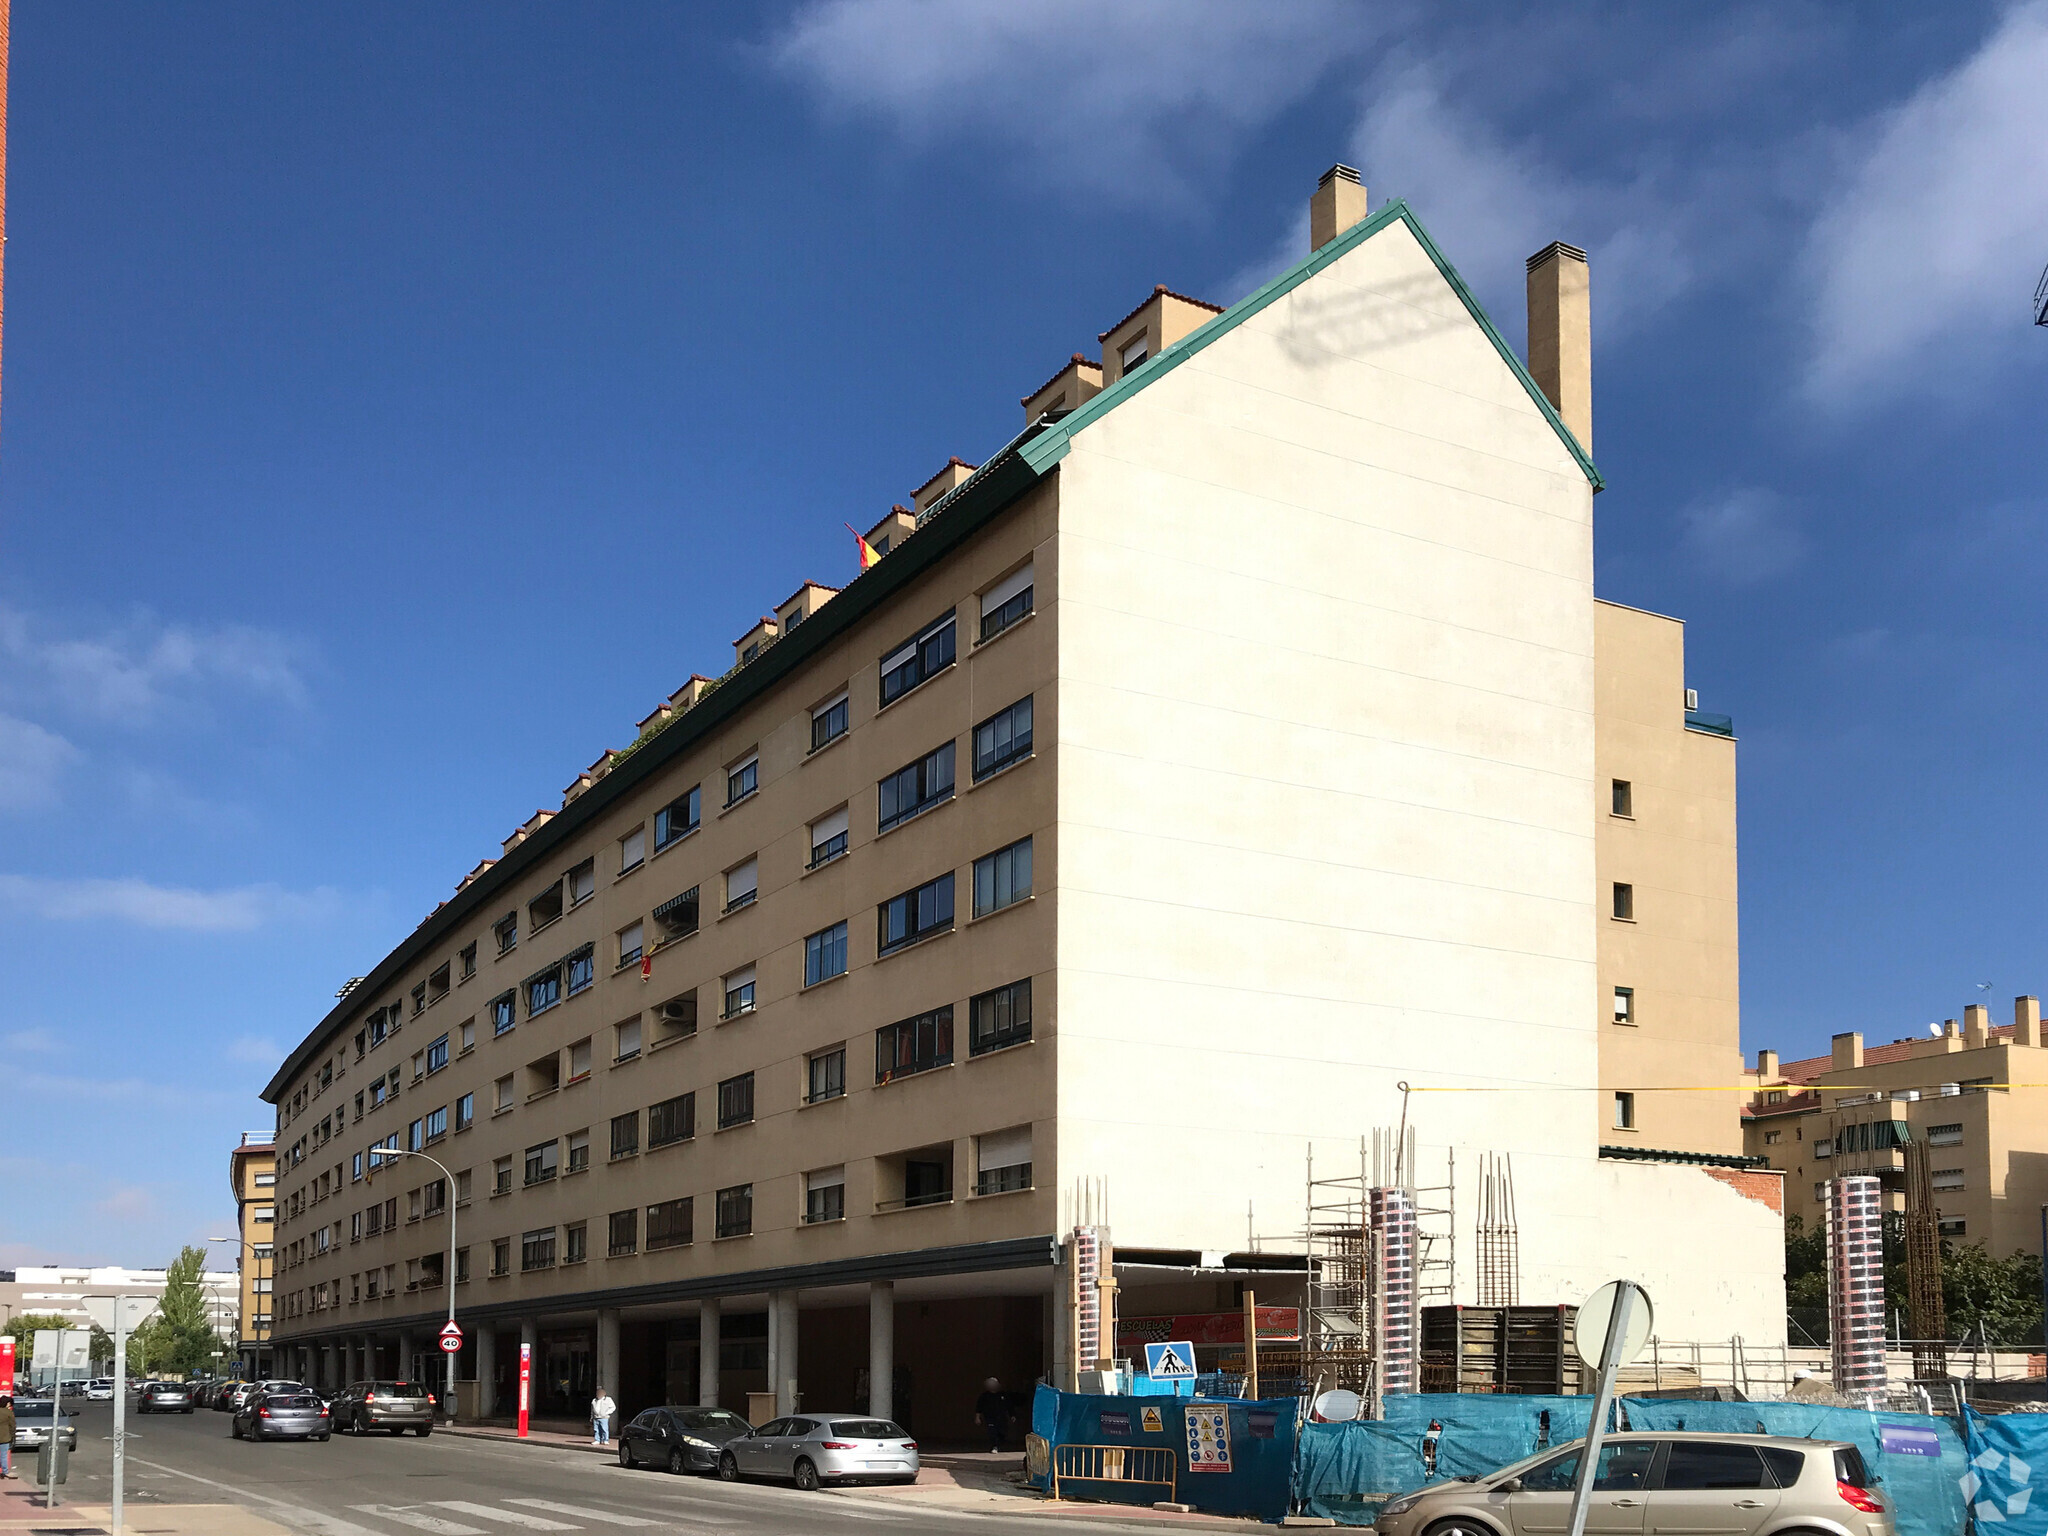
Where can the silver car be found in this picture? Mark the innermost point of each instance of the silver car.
(32, 1419)
(813, 1449)
(282, 1416)
(1738, 1485)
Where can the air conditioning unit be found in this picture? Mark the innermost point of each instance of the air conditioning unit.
(676, 1012)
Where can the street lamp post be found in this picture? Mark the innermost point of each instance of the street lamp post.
(262, 1318)
(448, 1277)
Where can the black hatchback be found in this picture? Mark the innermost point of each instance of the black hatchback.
(679, 1439)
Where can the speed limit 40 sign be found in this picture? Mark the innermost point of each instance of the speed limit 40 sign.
(451, 1338)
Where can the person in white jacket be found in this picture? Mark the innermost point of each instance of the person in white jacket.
(601, 1410)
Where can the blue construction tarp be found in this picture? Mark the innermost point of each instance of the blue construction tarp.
(1261, 1446)
(2004, 1453)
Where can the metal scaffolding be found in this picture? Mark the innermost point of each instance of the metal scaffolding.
(1500, 1253)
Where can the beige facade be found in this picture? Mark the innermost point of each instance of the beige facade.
(1665, 829)
(252, 1175)
(1962, 1092)
(1209, 762)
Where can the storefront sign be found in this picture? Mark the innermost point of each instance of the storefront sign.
(1277, 1325)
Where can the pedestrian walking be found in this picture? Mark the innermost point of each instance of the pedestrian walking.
(601, 1410)
(992, 1412)
(7, 1435)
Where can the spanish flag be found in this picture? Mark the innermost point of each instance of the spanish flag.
(868, 553)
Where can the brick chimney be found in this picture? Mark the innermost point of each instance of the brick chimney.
(1561, 335)
(1338, 204)
(1848, 1052)
(2026, 1021)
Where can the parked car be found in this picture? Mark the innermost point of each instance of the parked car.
(164, 1397)
(680, 1439)
(33, 1417)
(818, 1448)
(203, 1390)
(1741, 1485)
(101, 1390)
(282, 1416)
(390, 1405)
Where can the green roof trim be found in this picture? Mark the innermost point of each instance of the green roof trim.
(1696, 1159)
(1046, 450)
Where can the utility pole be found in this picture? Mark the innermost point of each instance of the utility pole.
(448, 1277)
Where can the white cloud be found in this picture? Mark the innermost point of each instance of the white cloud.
(31, 761)
(42, 1041)
(1140, 98)
(1744, 536)
(131, 671)
(254, 1050)
(235, 910)
(1923, 260)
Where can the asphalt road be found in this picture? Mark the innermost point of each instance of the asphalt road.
(448, 1485)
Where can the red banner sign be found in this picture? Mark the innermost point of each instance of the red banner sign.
(525, 1385)
(7, 1366)
(1277, 1325)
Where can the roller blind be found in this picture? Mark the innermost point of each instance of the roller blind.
(742, 881)
(1004, 1149)
(825, 828)
(826, 1178)
(1005, 589)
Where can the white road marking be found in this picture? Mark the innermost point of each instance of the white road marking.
(506, 1516)
(601, 1516)
(312, 1521)
(418, 1521)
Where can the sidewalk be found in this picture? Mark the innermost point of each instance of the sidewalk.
(22, 1510)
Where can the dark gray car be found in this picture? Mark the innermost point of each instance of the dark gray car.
(282, 1416)
(164, 1397)
(680, 1439)
(33, 1417)
(395, 1406)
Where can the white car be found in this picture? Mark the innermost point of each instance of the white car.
(100, 1391)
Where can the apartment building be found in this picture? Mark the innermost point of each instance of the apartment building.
(1960, 1089)
(1218, 759)
(61, 1290)
(252, 1176)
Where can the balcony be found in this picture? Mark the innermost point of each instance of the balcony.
(1712, 725)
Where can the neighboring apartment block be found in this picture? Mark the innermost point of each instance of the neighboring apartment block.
(1242, 740)
(1856, 1109)
(252, 1175)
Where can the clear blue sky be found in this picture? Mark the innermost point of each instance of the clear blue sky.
(400, 400)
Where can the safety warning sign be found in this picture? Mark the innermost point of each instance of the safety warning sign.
(1170, 1362)
(1208, 1439)
(1154, 1425)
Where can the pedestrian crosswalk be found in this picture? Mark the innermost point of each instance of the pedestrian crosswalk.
(451, 1517)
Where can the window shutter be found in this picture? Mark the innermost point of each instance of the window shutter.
(1004, 1149)
(1005, 589)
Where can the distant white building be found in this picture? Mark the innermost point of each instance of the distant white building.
(61, 1292)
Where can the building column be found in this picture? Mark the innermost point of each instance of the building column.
(608, 1353)
(708, 1318)
(486, 1371)
(404, 1371)
(782, 1350)
(882, 1349)
(327, 1368)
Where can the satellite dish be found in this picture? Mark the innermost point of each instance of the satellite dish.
(1934, 1029)
(1589, 1329)
(1339, 1405)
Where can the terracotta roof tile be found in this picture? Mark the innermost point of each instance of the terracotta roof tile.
(1214, 309)
(1080, 359)
(1811, 1067)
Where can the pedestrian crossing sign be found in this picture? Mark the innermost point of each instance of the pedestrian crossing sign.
(1173, 1361)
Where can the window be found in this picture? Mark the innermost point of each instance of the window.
(502, 1015)
(1624, 1111)
(462, 1266)
(916, 914)
(582, 882)
(575, 1243)
(916, 787)
(630, 943)
(1002, 739)
(437, 988)
(579, 1151)
(1951, 1226)
(582, 970)
(1003, 1161)
(1948, 1178)
(1006, 602)
(1944, 1135)
(377, 1093)
(999, 1018)
(468, 960)
(678, 916)
(544, 990)
(537, 1250)
(671, 1224)
(437, 1123)
(504, 1092)
(462, 1183)
(1624, 1005)
(1134, 353)
(742, 779)
(828, 837)
(914, 1045)
(1703, 1464)
(626, 1039)
(829, 722)
(736, 1101)
(416, 1135)
(679, 818)
(544, 908)
(633, 849)
(825, 1195)
(355, 1169)
(501, 1176)
(579, 1060)
(435, 1196)
(671, 1120)
(926, 1182)
(624, 1235)
(735, 1214)
(501, 1257)
(1823, 1148)
(1624, 1465)
(419, 1065)
(1624, 902)
(825, 1075)
(825, 955)
(507, 930)
(911, 663)
(742, 884)
(468, 1034)
(1772, 1138)
(626, 1134)
(1002, 877)
(739, 993)
(540, 1162)
(1623, 802)
(419, 998)
(378, 1028)
(678, 1016)
(437, 1054)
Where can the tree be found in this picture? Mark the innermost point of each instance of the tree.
(2000, 1297)
(179, 1338)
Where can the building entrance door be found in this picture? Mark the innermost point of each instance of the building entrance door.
(568, 1376)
